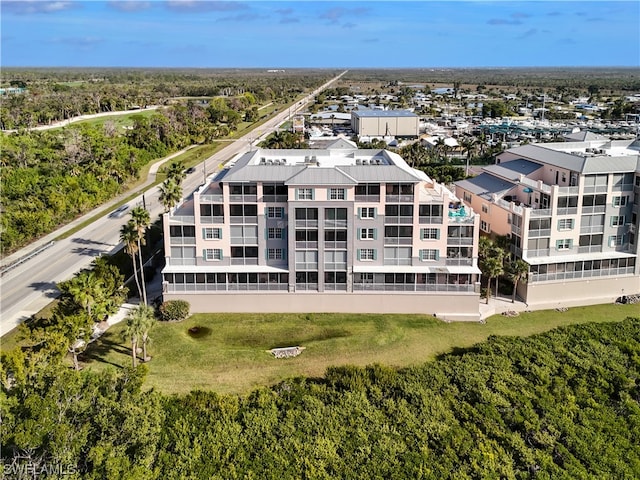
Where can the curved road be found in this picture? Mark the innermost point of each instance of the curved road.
(30, 286)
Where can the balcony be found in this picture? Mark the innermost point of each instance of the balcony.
(306, 265)
(540, 212)
(244, 261)
(568, 190)
(368, 198)
(455, 241)
(434, 220)
(594, 189)
(545, 232)
(306, 287)
(568, 211)
(332, 245)
(590, 249)
(398, 240)
(335, 223)
(180, 261)
(592, 229)
(210, 220)
(243, 198)
(398, 220)
(335, 287)
(182, 240)
(463, 261)
(211, 198)
(594, 209)
(537, 184)
(335, 266)
(182, 219)
(244, 219)
(306, 223)
(313, 245)
(541, 252)
(399, 198)
(397, 261)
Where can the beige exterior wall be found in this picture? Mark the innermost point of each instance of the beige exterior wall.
(579, 292)
(455, 307)
(378, 126)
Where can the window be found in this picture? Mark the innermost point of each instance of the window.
(620, 201)
(239, 210)
(337, 194)
(367, 233)
(367, 254)
(368, 189)
(244, 252)
(429, 233)
(616, 240)
(564, 244)
(393, 231)
(335, 214)
(212, 254)
(243, 234)
(428, 254)
(275, 212)
(567, 202)
(484, 226)
(466, 196)
(617, 220)
(182, 231)
(335, 277)
(212, 233)
(430, 210)
(398, 210)
(565, 224)
(485, 208)
(304, 193)
(274, 232)
(211, 210)
(638, 181)
(368, 212)
(306, 235)
(331, 235)
(306, 214)
(275, 254)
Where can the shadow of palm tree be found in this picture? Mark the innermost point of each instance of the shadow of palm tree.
(50, 289)
(99, 350)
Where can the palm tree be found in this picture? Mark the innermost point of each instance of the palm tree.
(129, 236)
(86, 291)
(440, 145)
(135, 329)
(468, 146)
(175, 172)
(141, 219)
(148, 320)
(518, 271)
(492, 268)
(170, 194)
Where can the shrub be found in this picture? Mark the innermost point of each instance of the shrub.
(174, 310)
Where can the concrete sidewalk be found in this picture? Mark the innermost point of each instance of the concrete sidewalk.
(499, 305)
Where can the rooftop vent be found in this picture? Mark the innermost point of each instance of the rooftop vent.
(358, 161)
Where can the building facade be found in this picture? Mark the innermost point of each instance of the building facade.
(334, 230)
(571, 212)
(384, 123)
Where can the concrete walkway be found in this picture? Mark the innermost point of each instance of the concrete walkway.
(499, 305)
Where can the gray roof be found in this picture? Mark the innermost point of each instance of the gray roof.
(584, 136)
(383, 113)
(341, 143)
(263, 173)
(379, 173)
(321, 176)
(607, 164)
(513, 169)
(544, 155)
(485, 185)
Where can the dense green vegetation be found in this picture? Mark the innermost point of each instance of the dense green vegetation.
(564, 404)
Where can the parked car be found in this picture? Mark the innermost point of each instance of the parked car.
(190, 170)
(119, 212)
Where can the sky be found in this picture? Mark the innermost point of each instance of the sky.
(322, 34)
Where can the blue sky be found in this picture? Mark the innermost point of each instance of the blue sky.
(185, 33)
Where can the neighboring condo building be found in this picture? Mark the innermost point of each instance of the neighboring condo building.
(334, 230)
(571, 212)
(385, 123)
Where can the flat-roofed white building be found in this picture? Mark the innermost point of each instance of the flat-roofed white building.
(382, 123)
(333, 230)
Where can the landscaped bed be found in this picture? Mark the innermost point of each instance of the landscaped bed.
(233, 356)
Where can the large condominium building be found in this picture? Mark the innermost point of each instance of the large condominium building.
(335, 230)
(571, 212)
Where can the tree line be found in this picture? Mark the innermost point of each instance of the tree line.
(563, 404)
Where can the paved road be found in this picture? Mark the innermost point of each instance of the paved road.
(30, 286)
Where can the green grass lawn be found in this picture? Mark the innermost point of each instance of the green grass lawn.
(120, 121)
(230, 355)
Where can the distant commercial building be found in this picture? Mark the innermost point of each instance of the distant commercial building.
(571, 212)
(384, 123)
(334, 230)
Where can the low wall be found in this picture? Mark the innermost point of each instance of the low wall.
(449, 307)
(582, 292)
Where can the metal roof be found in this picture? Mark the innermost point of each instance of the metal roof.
(607, 164)
(383, 113)
(549, 156)
(263, 173)
(485, 184)
(512, 170)
(379, 173)
(321, 176)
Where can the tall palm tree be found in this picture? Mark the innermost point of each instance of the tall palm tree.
(148, 320)
(86, 290)
(492, 268)
(518, 271)
(141, 219)
(175, 172)
(135, 329)
(129, 236)
(170, 194)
